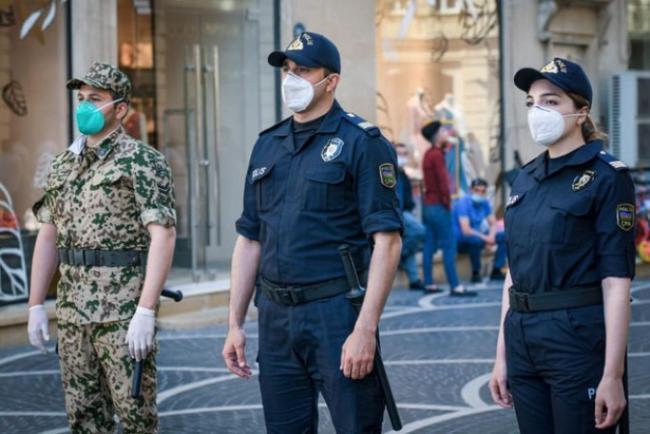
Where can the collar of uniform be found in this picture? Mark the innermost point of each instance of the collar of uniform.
(329, 125)
(106, 145)
(331, 122)
(537, 167)
(585, 153)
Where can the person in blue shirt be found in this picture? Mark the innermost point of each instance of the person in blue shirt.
(414, 230)
(475, 227)
(319, 179)
(569, 224)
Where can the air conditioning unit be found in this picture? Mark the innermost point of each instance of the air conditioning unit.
(629, 117)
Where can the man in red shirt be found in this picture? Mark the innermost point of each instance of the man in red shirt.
(436, 214)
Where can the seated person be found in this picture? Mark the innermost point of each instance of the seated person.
(476, 227)
(413, 236)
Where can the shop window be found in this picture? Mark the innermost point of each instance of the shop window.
(136, 59)
(34, 119)
(439, 60)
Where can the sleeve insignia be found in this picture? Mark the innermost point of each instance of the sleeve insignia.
(387, 175)
(625, 215)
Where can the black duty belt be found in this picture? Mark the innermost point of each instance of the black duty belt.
(561, 299)
(293, 295)
(103, 258)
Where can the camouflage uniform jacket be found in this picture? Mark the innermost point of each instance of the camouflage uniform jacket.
(104, 202)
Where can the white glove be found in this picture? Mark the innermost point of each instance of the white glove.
(139, 337)
(37, 327)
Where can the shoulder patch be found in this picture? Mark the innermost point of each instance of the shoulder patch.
(625, 213)
(366, 126)
(612, 161)
(272, 127)
(387, 175)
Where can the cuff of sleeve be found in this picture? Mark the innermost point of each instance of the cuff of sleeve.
(43, 216)
(162, 216)
(383, 221)
(616, 266)
(42, 212)
(251, 232)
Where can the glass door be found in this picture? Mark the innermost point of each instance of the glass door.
(207, 85)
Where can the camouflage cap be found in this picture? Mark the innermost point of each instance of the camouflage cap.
(107, 77)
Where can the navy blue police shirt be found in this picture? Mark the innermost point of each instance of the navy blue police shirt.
(302, 202)
(570, 221)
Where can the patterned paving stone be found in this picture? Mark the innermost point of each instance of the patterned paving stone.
(438, 351)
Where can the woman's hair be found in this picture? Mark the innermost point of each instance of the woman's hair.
(589, 129)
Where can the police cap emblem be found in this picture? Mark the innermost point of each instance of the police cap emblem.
(581, 181)
(332, 149)
(625, 215)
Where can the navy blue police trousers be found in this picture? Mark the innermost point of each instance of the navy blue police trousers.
(555, 361)
(299, 356)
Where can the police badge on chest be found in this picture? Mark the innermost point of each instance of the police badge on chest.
(332, 149)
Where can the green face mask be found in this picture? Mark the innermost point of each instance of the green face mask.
(90, 119)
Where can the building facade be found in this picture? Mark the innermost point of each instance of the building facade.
(203, 89)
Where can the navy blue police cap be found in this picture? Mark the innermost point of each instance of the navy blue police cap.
(567, 75)
(309, 49)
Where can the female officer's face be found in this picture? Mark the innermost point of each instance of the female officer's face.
(545, 94)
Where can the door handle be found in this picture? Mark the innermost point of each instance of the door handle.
(217, 141)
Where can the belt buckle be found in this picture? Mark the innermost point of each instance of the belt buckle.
(522, 302)
(283, 295)
(90, 257)
(77, 257)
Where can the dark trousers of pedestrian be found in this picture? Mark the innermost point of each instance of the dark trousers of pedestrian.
(412, 241)
(555, 361)
(439, 235)
(300, 356)
(474, 246)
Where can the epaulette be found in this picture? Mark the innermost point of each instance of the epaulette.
(612, 161)
(360, 122)
(272, 127)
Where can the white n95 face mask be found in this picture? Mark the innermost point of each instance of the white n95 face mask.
(298, 93)
(546, 125)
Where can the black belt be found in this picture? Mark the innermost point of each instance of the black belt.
(561, 299)
(103, 258)
(293, 295)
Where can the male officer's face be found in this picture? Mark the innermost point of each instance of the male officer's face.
(113, 113)
(545, 94)
(313, 75)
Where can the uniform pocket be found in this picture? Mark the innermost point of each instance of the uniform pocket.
(574, 214)
(325, 189)
(588, 325)
(262, 181)
(109, 178)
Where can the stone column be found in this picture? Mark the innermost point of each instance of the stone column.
(352, 29)
(94, 33)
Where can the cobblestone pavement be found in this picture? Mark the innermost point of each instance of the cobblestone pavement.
(438, 352)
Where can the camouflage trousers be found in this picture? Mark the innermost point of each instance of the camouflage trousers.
(96, 371)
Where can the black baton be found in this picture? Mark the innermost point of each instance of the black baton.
(137, 365)
(355, 295)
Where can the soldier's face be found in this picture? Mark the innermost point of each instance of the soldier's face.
(102, 98)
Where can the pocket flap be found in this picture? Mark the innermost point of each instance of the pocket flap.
(259, 173)
(328, 174)
(577, 206)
